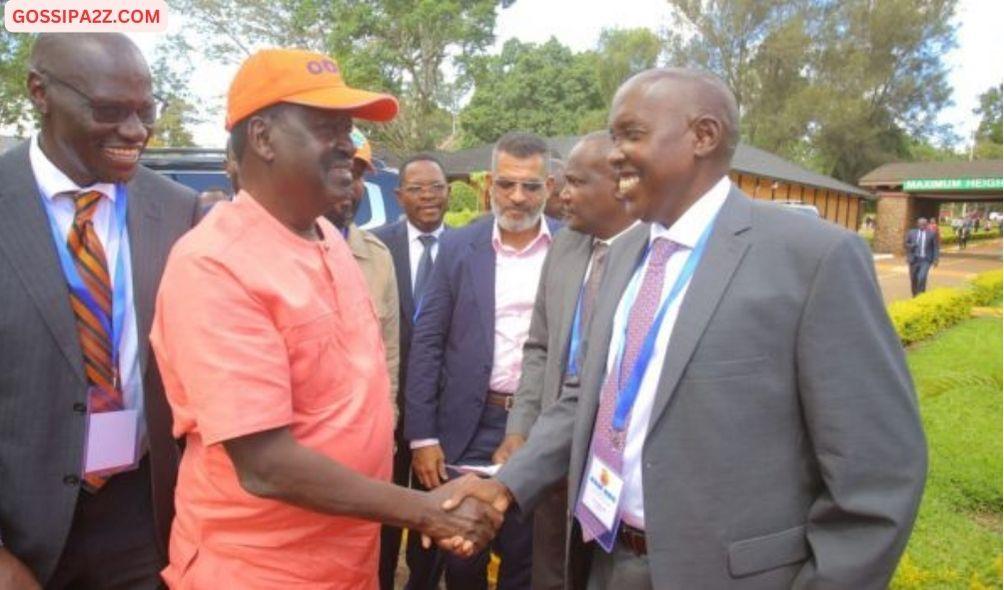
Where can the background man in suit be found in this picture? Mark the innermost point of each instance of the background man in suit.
(414, 244)
(74, 194)
(373, 258)
(571, 277)
(921, 254)
(754, 403)
(464, 364)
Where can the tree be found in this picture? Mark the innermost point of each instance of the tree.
(988, 140)
(545, 89)
(841, 86)
(398, 46)
(171, 69)
(15, 108)
(622, 53)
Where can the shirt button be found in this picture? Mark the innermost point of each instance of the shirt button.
(80, 407)
(71, 480)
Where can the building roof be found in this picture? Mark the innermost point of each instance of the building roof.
(747, 160)
(896, 172)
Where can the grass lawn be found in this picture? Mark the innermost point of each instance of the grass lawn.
(957, 539)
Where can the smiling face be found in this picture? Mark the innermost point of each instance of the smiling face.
(312, 157)
(423, 194)
(653, 153)
(76, 99)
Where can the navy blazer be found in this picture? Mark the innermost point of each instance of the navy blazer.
(453, 343)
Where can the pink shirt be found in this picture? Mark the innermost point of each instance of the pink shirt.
(257, 328)
(517, 274)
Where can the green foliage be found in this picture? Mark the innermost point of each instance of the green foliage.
(463, 197)
(546, 89)
(990, 116)
(929, 313)
(171, 69)
(15, 108)
(956, 540)
(461, 218)
(622, 53)
(837, 86)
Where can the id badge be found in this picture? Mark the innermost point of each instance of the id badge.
(602, 497)
(111, 442)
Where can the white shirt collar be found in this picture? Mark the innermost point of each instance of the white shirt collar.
(52, 181)
(610, 241)
(414, 233)
(688, 228)
(543, 234)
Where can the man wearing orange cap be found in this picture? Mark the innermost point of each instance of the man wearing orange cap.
(272, 361)
(373, 258)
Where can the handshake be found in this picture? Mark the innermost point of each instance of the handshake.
(464, 514)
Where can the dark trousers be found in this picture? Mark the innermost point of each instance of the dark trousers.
(619, 570)
(548, 571)
(918, 276)
(425, 566)
(112, 542)
(514, 541)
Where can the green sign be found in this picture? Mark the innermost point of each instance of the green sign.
(953, 184)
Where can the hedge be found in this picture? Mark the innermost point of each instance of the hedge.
(461, 218)
(929, 313)
(983, 235)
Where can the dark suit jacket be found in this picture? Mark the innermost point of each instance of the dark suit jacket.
(931, 247)
(41, 365)
(450, 362)
(784, 448)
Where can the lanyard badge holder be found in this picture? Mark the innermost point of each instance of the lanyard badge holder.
(111, 438)
(602, 490)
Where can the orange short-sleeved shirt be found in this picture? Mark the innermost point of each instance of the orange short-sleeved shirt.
(257, 328)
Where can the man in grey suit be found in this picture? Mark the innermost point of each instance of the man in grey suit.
(569, 284)
(745, 418)
(77, 182)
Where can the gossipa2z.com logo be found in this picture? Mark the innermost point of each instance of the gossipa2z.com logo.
(85, 16)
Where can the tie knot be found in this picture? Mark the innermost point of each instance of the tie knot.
(662, 249)
(85, 203)
(427, 240)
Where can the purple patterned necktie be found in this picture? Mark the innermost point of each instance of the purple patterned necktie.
(608, 444)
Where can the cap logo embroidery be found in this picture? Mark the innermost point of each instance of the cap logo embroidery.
(319, 67)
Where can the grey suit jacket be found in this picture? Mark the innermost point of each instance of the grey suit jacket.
(784, 447)
(546, 348)
(42, 384)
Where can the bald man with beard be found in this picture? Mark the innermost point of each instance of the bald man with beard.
(84, 236)
(745, 419)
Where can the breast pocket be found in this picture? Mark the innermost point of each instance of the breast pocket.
(314, 363)
(727, 369)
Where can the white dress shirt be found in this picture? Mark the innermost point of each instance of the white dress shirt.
(685, 233)
(51, 182)
(415, 248)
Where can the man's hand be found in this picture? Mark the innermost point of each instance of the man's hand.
(510, 444)
(467, 527)
(429, 465)
(14, 575)
(488, 490)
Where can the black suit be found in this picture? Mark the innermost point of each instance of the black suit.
(922, 250)
(44, 515)
(425, 566)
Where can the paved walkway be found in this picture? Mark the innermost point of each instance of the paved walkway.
(955, 268)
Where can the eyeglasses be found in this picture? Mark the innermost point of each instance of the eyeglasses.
(507, 186)
(113, 113)
(417, 190)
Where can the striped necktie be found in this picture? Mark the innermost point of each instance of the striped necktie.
(95, 341)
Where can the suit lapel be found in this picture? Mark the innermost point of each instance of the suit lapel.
(725, 250)
(400, 252)
(573, 275)
(481, 274)
(26, 239)
(148, 246)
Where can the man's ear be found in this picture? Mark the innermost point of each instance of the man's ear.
(38, 92)
(709, 135)
(259, 132)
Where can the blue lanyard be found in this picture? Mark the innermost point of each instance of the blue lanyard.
(113, 325)
(573, 346)
(626, 396)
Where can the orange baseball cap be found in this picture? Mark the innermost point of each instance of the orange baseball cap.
(272, 76)
(364, 151)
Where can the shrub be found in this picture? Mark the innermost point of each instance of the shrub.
(463, 197)
(461, 218)
(986, 288)
(929, 313)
